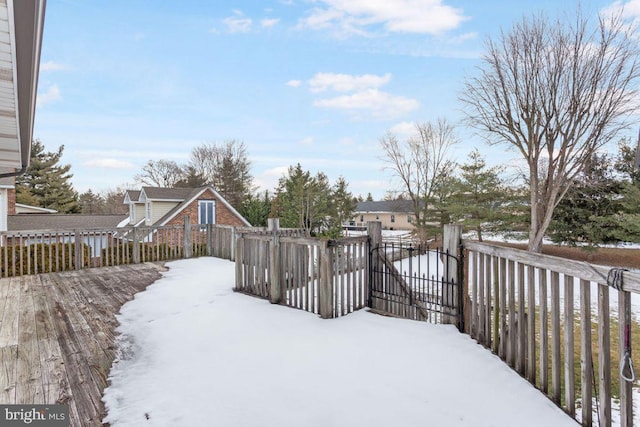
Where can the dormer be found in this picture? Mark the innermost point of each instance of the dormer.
(136, 208)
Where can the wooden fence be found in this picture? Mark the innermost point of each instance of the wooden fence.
(48, 251)
(326, 277)
(538, 314)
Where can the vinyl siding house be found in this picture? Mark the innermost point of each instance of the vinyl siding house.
(393, 214)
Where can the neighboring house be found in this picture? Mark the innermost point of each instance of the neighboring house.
(393, 214)
(155, 206)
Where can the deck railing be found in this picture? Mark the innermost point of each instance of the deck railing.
(48, 251)
(322, 276)
(559, 324)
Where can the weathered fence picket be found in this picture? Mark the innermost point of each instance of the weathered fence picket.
(522, 307)
(326, 277)
(50, 251)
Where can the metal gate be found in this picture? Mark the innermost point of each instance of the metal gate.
(416, 282)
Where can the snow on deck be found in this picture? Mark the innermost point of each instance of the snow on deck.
(195, 353)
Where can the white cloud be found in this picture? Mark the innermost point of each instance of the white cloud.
(109, 163)
(51, 94)
(380, 104)
(630, 9)
(238, 23)
(269, 22)
(52, 66)
(294, 83)
(346, 82)
(403, 16)
(404, 129)
(459, 39)
(306, 141)
(268, 180)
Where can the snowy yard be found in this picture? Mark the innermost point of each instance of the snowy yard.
(194, 353)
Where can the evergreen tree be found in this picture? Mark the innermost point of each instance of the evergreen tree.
(305, 201)
(91, 203)
(341, 207)
(45, 183)
(479, 196)
(256, 208)
(590, 211)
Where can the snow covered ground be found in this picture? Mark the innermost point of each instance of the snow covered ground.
(196, 354)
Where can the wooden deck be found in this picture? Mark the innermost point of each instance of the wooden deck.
(57, 335)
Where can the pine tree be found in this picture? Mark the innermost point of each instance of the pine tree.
(46, 183)
(91, 203)
(341, 207)
(590, 211)
(303, 201)
(256, 208)
(479, 195)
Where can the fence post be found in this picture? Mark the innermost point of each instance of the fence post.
(238, 257)
(451, 239)
(136, 246)
(210, 240)
(78, 250)
(274, 262)
(325, 291)
(187, 249)
(374, 272)
(624, 330)
(232, 246)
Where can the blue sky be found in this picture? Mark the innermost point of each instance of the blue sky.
(299, 81)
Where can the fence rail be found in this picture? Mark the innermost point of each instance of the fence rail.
(326, 277)
(49, 251)
(538, 313)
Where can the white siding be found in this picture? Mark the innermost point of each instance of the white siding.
(160, 209)
(4, 209)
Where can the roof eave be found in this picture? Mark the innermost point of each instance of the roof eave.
(28, 25)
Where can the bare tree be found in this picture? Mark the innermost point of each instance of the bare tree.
(227, 167)
(160, 173)
(557, 91)
(421, 162)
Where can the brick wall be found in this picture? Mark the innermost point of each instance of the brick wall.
(11, 201)
(224, 216)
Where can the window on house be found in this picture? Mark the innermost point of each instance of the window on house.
(148, 211)
(361, 218)
(409, 219)
(393, 218)
(132, 212)
(206, 212)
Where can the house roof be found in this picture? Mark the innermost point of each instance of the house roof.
(391, 206)
(169, 194)
(131, 196)
(34, 222)
(21, 28)
(194, 193)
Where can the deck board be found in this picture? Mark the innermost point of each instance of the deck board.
(57, 335)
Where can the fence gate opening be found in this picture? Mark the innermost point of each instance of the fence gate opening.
(416, 282)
